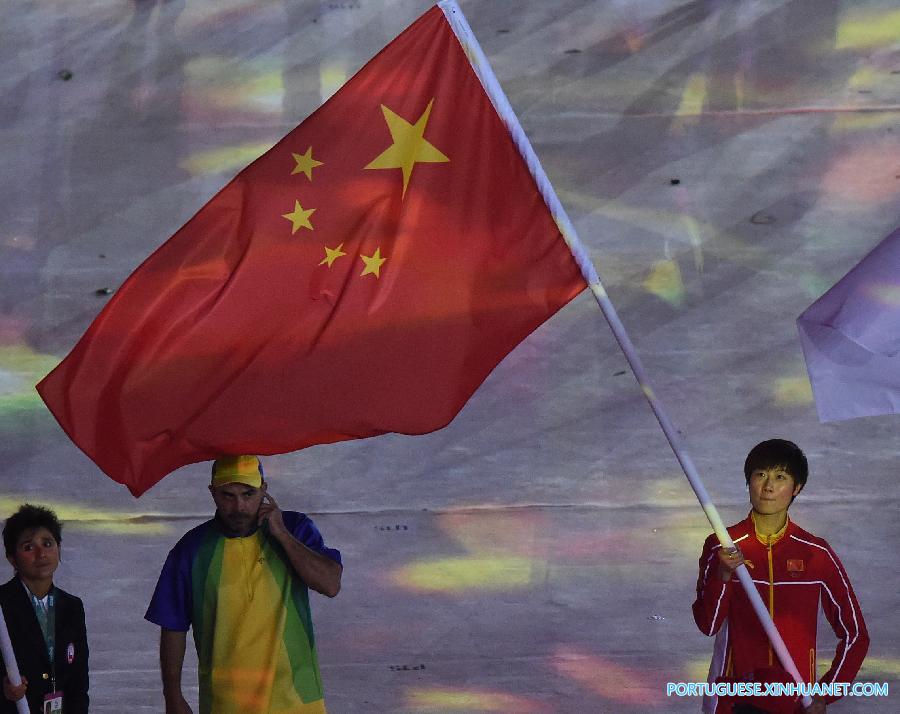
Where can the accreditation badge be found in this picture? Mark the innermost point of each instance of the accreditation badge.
(53, 703)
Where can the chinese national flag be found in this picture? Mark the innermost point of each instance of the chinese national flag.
(363, 276)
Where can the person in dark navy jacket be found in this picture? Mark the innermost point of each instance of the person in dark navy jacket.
(42, 619)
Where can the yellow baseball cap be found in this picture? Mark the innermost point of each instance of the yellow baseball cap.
(237, 469)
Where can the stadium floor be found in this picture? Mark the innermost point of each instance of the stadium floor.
(723, 162)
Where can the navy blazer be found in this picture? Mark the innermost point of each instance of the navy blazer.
(71, 649)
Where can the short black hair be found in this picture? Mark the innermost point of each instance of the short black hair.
(778, 452)
(26, 518)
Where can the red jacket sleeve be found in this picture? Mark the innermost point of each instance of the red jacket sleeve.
(846, 619)
(713, 594)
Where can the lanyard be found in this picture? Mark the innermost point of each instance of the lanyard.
(46, 617)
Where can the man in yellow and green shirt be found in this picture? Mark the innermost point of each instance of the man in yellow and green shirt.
(240, 580)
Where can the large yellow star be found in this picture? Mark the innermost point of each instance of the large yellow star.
(305, 163)
(373, 263)
(410, 146)
(299, 218)
(332, 254)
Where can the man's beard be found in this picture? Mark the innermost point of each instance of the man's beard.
(238, 524)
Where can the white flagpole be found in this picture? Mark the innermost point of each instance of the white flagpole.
(492, 87)
(9, 659)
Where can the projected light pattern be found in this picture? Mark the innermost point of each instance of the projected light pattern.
(865, 173)
(859, 123)
(236, 88)
(20, 369)
(813, 285)
(793, 391)
(500, 555)
(446, 699)
(226, 159)
(608, 679)
(876, 667)
(331, 78)
(90, 518)
(455, 575)
(665, 282)
(887, 295)
(693, 97)
(509, 552)
(201, 19)
(864, 28)
(696, 670)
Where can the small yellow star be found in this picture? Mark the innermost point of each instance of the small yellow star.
(299, 218)
(409, 147)
(332, 254)
(373, 263)
(305, 163)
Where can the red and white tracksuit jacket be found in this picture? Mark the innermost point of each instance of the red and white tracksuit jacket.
(794, 571)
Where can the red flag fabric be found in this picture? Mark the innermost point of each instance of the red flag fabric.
(363, 276)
